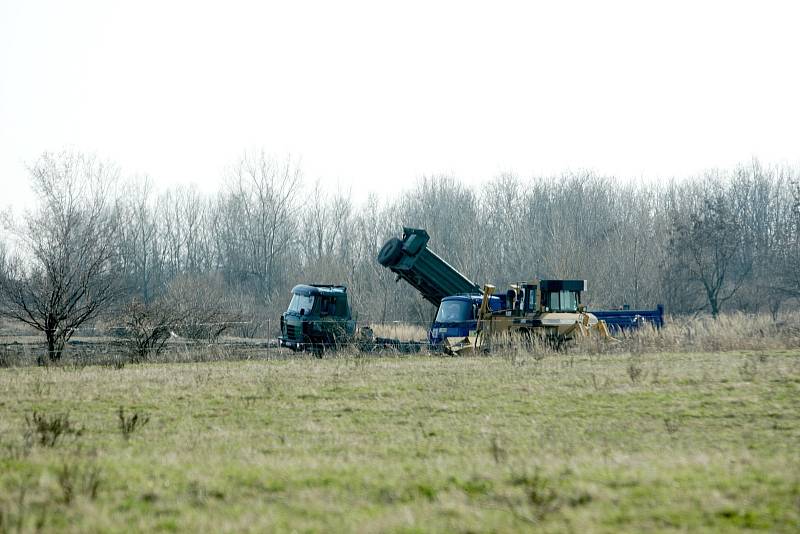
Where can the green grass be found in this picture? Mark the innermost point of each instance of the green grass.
(704, 441)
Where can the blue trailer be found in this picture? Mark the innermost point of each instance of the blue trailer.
(627, 319)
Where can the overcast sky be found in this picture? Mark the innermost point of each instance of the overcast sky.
(373, 95)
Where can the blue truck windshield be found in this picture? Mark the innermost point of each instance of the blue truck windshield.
(301, 302)
(452, 311)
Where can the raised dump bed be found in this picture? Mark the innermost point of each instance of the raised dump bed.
(410, 259)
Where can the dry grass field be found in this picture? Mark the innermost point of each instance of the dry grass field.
(402, 331)
(574, 442)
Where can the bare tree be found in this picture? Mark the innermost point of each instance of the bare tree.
(261, 199)
(374, 289)
(448, 210)
(63, 275)
(786, 262)
(139, 241)
(505, 232)
(705, 245)
(326, 229)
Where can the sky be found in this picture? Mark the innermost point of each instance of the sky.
(369, 96)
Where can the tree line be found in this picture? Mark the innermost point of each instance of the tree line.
(102, 249)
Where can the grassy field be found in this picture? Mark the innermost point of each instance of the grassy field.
(603, 443)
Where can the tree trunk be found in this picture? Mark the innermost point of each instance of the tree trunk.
(714, 303)
(55, 346)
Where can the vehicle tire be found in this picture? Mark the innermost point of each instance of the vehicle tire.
(390, 252)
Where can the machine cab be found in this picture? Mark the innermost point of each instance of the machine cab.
(561, 295)
(544, 296)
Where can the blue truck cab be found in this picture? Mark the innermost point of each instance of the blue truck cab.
(457, 316)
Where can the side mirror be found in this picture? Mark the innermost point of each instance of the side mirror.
(302, 312)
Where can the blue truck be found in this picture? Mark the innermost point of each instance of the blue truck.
(458, 299)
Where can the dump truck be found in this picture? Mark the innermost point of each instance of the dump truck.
(458, 299)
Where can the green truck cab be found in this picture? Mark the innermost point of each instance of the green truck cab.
(318, 317)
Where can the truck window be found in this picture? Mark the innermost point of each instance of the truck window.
(299, 302)
(530, 301)
(326, 306)
(452, 311)
(341, 307)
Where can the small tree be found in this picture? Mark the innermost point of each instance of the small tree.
(62, 275)
(149, 326)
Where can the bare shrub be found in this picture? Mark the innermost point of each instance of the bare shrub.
(655, 373)
(47, 430)
(671, 425)
(543, 496)
(749, 369)
(194, 308)
(205, 310)
(78, 479)
(40, 388)
(635, 372)
(149, 327)
(129, 424)
(499, 453)
(599, 382)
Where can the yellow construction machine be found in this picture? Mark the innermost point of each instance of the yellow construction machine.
(549, 311)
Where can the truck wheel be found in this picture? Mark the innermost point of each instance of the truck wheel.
(390, 252)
